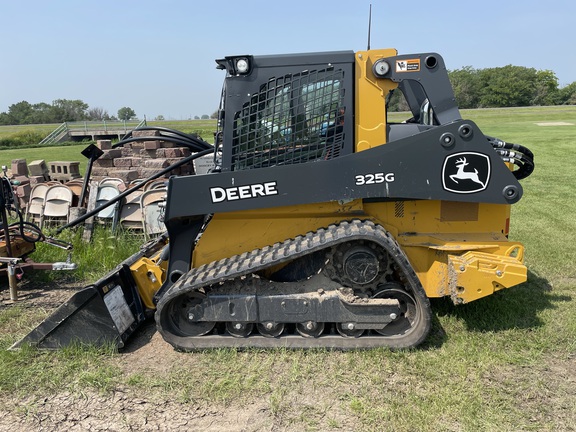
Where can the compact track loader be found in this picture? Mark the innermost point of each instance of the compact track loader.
(322, 224)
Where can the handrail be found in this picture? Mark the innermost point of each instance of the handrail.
(105, 125)
(51, 138)
(89, 126)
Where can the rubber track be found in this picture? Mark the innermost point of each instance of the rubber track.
(259, 259)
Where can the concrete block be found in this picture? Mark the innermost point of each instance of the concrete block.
(23, 190)
(104, 144)
(34, 180)
(123, 162)
(172, 153)
(111, 154)
(127, 175)
(152, 145)
(19, 167)
(64, 170)
(104, 163)
(138, 145)
(99, 172)
(145, 133)
(38, 168)
(127, 151)
(147, 154)
(155, 163)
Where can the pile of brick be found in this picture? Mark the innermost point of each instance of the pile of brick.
(136, 160)
(139, 159)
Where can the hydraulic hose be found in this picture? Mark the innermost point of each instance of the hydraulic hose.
(22, 226)
(516, 154)
(171, 135)
(525, 165)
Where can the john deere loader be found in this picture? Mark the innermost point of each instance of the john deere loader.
(322, 223)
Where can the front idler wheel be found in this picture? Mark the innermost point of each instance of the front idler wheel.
(182, 316)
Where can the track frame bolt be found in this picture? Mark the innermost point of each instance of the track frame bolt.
(350, 326)
(393, 316)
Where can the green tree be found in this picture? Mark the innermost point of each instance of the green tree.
(507, 86)
(466, 84)
(205, 117)
(126, 113)
(19, 112)
(545, 88)
(42, 113)
(396, 102)
(69, 110)
(567, 94)
(5, 119)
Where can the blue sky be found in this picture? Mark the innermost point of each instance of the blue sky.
(157, 57)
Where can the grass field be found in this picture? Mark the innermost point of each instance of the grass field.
(503, 363)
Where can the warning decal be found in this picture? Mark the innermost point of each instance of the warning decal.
(119, 309)
(408, 65)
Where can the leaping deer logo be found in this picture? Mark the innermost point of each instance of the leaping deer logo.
(457, 179)
(465, 175)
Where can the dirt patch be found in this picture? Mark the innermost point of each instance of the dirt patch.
(554, 124)
(549, 396)
(126, 411)
(129, 408)
(32, 295)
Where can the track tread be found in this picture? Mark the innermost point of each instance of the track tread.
(258, 259)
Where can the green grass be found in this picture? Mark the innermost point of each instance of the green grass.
(6, 131)
(505, 362)
(94, 259)
(48, 154)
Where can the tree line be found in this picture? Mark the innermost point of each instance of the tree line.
(507, 86)
(60, 111)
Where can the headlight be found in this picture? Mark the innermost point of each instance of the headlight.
(242, 65)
